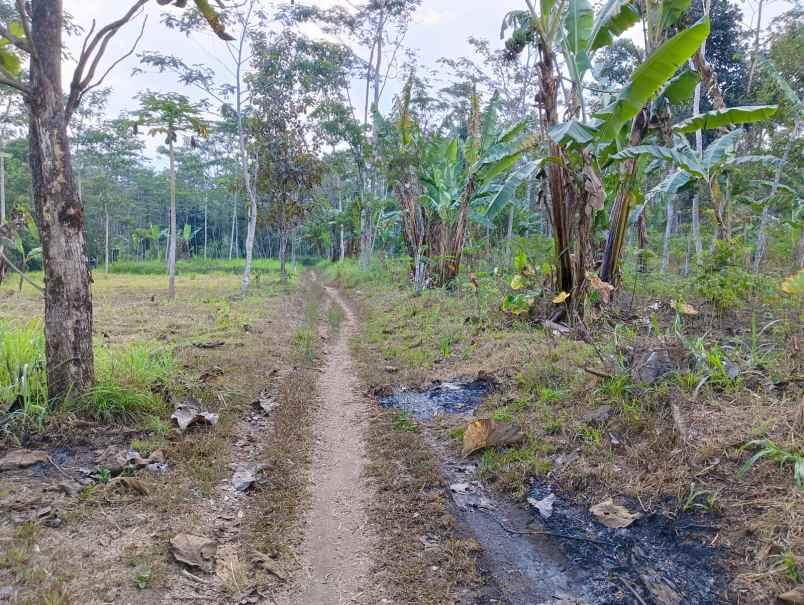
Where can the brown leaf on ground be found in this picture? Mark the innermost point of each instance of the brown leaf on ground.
(130, 484)
(195, 551)
(485, 432)
(793, 596)
(266, 563)
(613, 515)
(16, 459)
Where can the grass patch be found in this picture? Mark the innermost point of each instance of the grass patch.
(130, 380)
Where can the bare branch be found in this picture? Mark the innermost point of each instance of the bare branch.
(26, 26)
(89, 86)
(93, 51)
(9, 80)
(21, 44)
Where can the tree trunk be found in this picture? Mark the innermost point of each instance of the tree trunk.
(762, 236)
(283, 245)
(234, 227)
(755, 52)
(509, 235)
(106, 246)
(241, 138)
(668, 232)
(618, 221)
(2, 204)
(206, 207)
(59, 214)
(555, 172)
(172, 235)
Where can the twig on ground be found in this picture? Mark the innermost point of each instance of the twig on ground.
(533, 532)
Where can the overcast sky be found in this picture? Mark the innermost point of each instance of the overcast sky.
(440, 29)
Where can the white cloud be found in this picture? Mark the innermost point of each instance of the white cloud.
(428, 16)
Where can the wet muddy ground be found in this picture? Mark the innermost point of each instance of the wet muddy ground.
(566, 556)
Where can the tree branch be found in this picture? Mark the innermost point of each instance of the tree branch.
(9, 80)
(93, 52)
(26, 26)
(90, 86)
(21, 44)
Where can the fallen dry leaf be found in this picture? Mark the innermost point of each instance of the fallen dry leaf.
(130, 484)
(684, 308)
(560, 298)
(195, 551)
(613, 515)
(485, 432)
(795, 596)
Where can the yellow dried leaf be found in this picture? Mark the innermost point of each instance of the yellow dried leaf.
(794, 284)
(560, 298)
(598, 285)
(684, 308)
(487, 432)
(518, 283)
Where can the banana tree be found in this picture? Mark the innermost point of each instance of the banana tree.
(187, 234)
(460, 174)
(708, 167)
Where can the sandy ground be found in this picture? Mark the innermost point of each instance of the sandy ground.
(336, 552)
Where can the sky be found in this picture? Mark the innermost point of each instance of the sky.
(441, 28)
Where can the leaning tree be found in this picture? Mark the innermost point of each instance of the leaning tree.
(31, 36)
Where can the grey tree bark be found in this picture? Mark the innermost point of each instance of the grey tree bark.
(106, 243)
(171, 251)
(668, 232)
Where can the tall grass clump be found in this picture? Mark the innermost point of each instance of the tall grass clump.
(23, 385)
(129, 384)
(130, 381)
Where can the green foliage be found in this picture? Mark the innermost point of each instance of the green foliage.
(723, 281)
(22, 371)
(404, 423)
(769, 450)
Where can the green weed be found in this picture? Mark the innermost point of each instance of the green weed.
(773, 452)
(404, 423)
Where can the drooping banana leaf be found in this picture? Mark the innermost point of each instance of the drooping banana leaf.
(785, 88)
(719, 118)
(681, 87)
(613, 19)
(672, 184)
(578, 22)
(721, 147)
(571, 131)
(651, 75)
(687, 161)
(506, 192)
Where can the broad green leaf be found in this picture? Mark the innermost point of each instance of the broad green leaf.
(719, 149)
(794, 284)
(671, 184)
(681, 87)
(503, 196)
(719, 118)
(613, 19)
(672, 10)
(571, 131)
(770, 160)
(578, 22)
(512, 133)
(490, 122)
(783, 85)
(10, 62)
(652, 74)
(687, 161)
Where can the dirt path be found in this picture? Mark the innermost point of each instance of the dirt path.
(336, 552)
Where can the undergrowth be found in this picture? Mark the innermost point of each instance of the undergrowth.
(130, 381)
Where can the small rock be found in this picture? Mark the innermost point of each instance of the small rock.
(17, 459)
(245, 476)
(391, 369)
(188, 414)
(598, 415)
(544, 506)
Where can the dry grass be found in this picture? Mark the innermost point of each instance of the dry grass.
(112, 544)
(637, 452)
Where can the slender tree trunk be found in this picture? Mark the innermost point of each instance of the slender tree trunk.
(2, 203)
(172, 235)
(206, 205)
(293, 251)
(762, 236)
(509, 236)
(234, 226)
(755, 52)
(283, 244)
(59, 214)
(343, 241)
(668, 232)
(241, 137)
(106, 246)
